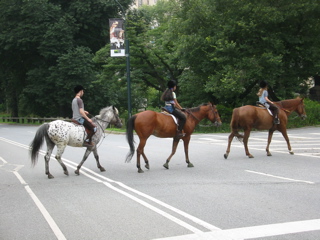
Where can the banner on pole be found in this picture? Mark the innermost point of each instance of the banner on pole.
(117, 48)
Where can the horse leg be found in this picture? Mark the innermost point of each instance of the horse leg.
(139, 152)
(174, 148)
(146, 160)
(58, 157)
(186, 151)
(230, 138)
(96, 156)
(285, 135)
(269, 141)
(50, 147)
(85, 156)
(245, 142)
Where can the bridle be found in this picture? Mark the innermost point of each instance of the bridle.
(214, 113)
(188, 111)
(102, 120)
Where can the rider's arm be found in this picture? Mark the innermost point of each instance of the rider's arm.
(268, 100)
(84, 114)
(177, 104)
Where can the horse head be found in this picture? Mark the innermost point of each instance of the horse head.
(301, 109)
(116, 119)
(293, 105)
(110, 115)
(213, 114)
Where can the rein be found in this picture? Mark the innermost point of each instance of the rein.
(188, 111)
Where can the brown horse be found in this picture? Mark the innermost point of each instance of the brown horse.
(161, 125)
(248, 117)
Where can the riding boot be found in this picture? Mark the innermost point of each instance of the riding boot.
(179, 134)
(276, 120)
(88, 142)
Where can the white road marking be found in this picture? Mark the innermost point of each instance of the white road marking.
(283, 178)
(170, 217)
(254, 232)
(4, 161)
(54, 227)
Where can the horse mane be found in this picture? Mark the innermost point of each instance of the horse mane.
(288, 102)
(197, 109)
(104, 111)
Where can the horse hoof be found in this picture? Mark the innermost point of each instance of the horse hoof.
(77, 172)
(66, 173)
(190, 165)
(291, 152)
(147, 166)
(140, 170)
(269, 154)
(166, 165)
(250, 156)
(102, 169)
(50, 176)
(225, 156)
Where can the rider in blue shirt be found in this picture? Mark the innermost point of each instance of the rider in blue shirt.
(172, 105)
(263, 99)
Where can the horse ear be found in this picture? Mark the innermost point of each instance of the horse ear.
(113, 107)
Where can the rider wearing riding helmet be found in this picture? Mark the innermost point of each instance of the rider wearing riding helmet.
(80, 115)
(264, 100)
(172, 106)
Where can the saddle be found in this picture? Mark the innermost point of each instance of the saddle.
(77, 123)
(165, 111)
(260, 105)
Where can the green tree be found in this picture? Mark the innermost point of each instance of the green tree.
(46, 47)
(231, 45)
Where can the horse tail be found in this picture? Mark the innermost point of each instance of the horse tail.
(234, 125)
(37, 142)
(130, 138)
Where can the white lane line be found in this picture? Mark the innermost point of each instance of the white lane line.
(4, 161)
(211, 139)
(46, 215)
(54, 227)
(155, 209)
(170, 217)
(283, 178)
(254, 232)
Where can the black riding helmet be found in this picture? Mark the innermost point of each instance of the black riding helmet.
(78, 88)
(263, 84)
(171, 84)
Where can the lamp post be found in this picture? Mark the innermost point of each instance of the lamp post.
(127, 49)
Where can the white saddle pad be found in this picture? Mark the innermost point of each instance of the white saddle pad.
(267, 109)
(173, 117)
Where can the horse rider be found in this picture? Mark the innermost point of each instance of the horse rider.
(265, 101)
(80, 115)
(172, 106)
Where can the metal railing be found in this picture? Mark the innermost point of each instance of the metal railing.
(29, 120)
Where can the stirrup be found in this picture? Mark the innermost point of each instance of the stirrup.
(88, 144)
(180, 134)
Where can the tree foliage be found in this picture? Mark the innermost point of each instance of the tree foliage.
(233, 44)
(216, 50)
(46, 48)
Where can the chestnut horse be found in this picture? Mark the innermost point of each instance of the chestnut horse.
(248, 117)
(162, 125)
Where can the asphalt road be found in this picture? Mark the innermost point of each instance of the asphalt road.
(264, 197)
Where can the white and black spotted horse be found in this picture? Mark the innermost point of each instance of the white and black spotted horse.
(62, 133)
